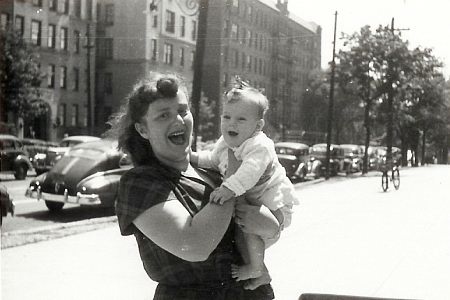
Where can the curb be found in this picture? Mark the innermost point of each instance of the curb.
(45, 233)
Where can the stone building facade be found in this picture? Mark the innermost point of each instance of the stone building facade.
(57, 29)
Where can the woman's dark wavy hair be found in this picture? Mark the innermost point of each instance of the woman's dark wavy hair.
(146, 91)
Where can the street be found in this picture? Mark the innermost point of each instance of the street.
(347, 237)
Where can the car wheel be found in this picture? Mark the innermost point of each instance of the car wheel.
(21, 172)
(54, 206)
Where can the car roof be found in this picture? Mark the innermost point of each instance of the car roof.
(8, 137)
(349, 146)
(85, 138)
(292, 145)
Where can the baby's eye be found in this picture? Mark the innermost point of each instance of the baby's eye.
(242, 119)
(226, 117)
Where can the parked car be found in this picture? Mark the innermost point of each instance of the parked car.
(351, 157)
(34, 146)
(6, 204)
(294, 158)
(318, 158)
(43, 162)
(13, 157)
(88, 174)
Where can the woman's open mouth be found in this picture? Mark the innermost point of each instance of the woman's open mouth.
(177, 138)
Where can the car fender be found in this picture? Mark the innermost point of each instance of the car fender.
(301, 169)
(23, 159)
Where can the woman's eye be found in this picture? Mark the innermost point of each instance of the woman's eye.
(242, 119)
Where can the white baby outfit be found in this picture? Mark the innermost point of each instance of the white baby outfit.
(260, 177)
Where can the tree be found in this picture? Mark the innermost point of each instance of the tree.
(20, 76)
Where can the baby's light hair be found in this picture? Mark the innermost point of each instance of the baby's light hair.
(242, 89)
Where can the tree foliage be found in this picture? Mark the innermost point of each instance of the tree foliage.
(377, 65)
(20, 76)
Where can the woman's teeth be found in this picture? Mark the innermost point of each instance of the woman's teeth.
(177, 138)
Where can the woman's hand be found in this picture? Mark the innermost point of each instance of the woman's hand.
(257, 220)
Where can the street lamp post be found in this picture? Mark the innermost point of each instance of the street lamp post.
(90, 108)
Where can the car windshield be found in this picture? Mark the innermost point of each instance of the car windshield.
(90, 153)
(282, 150)
(319, 149)
(69, 143)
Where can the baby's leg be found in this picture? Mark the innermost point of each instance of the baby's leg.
(251, 247)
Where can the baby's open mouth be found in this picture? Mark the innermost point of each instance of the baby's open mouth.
(232, 133)
(178, 138)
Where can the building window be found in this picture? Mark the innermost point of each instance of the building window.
(62, 114)
(108, 48)
(155, 21)
(62, 77)
(74, 121)
(77, 7)
(76, 79)
(53, 5)
(51, 76)
(108, 83)
(20, 21)
(37, 3)
(77, 35)
(51, 41)
(194, 30)
(181, 56)
(36, 32)
(65, 7)
(64, 38)
(170, 21)
(109, 14)
(85, 116)
(154, 49)
(236, 58)
(192, 59)
(182, 26)
(89, 9)
(168, 54)
(4, 19)
(234, 31)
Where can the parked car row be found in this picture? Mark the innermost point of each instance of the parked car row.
(304, 162)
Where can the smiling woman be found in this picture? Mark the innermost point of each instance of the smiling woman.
(186, 243)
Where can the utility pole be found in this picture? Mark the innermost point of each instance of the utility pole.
(390, 98)
(198, 66)
(90, 108)
(367, 123)
(331, 104)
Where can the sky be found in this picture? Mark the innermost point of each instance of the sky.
(428, 22)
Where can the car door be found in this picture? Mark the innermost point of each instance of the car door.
(7, 154)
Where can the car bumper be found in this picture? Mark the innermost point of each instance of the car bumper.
(81, 199)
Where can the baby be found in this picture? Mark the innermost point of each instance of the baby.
(260, 177)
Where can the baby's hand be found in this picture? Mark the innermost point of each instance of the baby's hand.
(221, 194)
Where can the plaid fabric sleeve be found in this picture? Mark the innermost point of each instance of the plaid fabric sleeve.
(138, 191)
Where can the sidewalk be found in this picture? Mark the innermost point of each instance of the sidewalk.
(99, 264)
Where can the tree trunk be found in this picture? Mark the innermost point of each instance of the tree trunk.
(423, 148)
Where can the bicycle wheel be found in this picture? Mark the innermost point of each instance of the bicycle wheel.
(384, 181)
(396, 178)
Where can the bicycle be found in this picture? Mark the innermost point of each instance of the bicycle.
(385, 178)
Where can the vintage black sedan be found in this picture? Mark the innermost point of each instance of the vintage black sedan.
(6, 204)
(318, 159)
(88, 174)
(294, 158)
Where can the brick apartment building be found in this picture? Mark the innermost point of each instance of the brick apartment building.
(135, 37)
(265, 44)
(57, 29)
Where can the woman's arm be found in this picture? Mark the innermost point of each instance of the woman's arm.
(172, 228)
